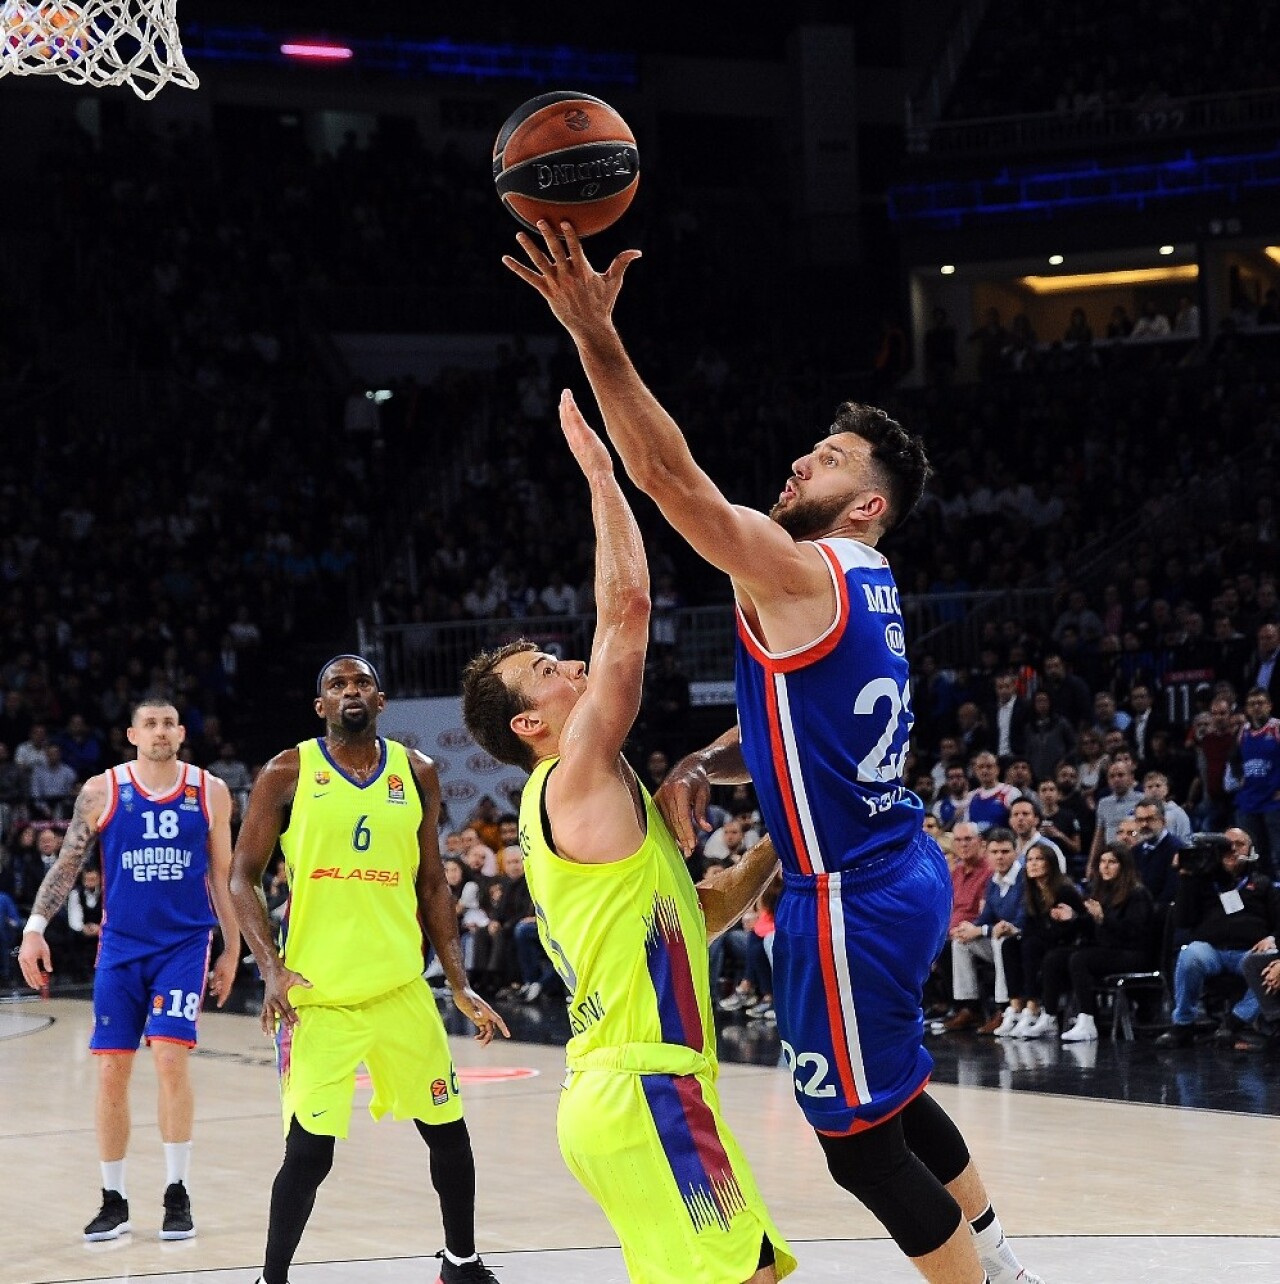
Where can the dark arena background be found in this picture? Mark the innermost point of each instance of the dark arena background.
(269, 395)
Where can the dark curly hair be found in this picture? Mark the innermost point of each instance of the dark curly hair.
(899, 454)
(489, 704)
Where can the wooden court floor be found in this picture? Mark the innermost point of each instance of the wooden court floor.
(1101, 1190)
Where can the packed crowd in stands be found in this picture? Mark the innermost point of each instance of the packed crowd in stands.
(254, 500)
(1081, 57)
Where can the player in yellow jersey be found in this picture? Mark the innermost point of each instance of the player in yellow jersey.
(639, 1122)
(356, 818)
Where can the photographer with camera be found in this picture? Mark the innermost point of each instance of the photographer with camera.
(1230, 912)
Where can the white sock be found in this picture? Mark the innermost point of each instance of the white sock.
(177, 1161)
(113, 1177)
(994, 1251)
(461, 1261)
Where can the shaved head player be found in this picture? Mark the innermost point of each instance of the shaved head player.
(356, 816)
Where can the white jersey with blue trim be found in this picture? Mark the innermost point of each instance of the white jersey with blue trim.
(825, 727)
(155, 864)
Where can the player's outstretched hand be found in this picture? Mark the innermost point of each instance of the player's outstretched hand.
(223, 976)
(33, 956)
(683, 800)
(480, 1014)
(275, 999)
(581, 298)
(591, 453)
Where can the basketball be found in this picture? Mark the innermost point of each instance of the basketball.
(566, 156)
(51, 31)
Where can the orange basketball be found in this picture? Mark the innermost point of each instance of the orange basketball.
(566, 156)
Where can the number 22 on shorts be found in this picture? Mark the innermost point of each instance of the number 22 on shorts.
(809, 1070)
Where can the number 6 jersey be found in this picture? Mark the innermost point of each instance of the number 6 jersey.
(155, 864)
(351, 853)
(825, 727)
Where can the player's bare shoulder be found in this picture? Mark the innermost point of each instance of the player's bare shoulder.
(278, 780)
(91, 801)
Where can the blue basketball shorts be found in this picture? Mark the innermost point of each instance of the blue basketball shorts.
(157, 996)
(852, 953)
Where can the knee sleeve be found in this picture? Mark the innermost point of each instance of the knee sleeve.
(876, 1167)
(307, 1157)
(934, 1139)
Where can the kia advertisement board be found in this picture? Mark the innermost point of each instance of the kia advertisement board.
(467, 773)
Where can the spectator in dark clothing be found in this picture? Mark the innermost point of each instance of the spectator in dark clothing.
(1049, 737)
(1070, 798)
(1114, 938)
(1230, 913)
(81, 747)
(1154, 854)
(1054, 918)
(512, 918)
(1008, 718)
(1070, 694)
(21, 875)
(1177, 766)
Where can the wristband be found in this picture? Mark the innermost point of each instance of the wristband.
(986, 929)
(36, 923)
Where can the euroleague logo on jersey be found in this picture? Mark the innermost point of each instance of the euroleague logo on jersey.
(895, 639)
(190, 799)
(395, 789)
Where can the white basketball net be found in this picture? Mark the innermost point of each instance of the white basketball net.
(95, 42)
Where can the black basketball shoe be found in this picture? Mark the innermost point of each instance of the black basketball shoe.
(177, 1213)
(468, 1273)
(112, 1220)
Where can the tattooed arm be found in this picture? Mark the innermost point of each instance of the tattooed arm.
(77, 843)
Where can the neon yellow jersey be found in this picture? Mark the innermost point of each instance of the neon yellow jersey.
(629, 941)
(351, 853)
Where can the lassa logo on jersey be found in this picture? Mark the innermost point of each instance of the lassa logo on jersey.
(395, 789)
(387, 877)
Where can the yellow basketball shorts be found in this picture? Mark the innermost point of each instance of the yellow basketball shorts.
(654, 1153)
(401, 1040)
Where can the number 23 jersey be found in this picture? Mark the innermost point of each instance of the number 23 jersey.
(825, 727)
(351, 854)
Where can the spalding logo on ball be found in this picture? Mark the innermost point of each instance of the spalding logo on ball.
(566, 156)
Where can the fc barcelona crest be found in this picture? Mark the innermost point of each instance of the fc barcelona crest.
(322, 777)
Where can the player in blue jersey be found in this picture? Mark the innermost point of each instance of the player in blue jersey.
(163, 828)
(824, 713)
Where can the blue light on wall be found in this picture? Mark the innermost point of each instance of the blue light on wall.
(1086, 185)
(417, 59)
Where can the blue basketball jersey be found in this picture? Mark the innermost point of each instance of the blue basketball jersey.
(155, 865)
(825, 728)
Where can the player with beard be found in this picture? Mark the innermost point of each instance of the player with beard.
(355, 816)
(163, 828)
(824, 714)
